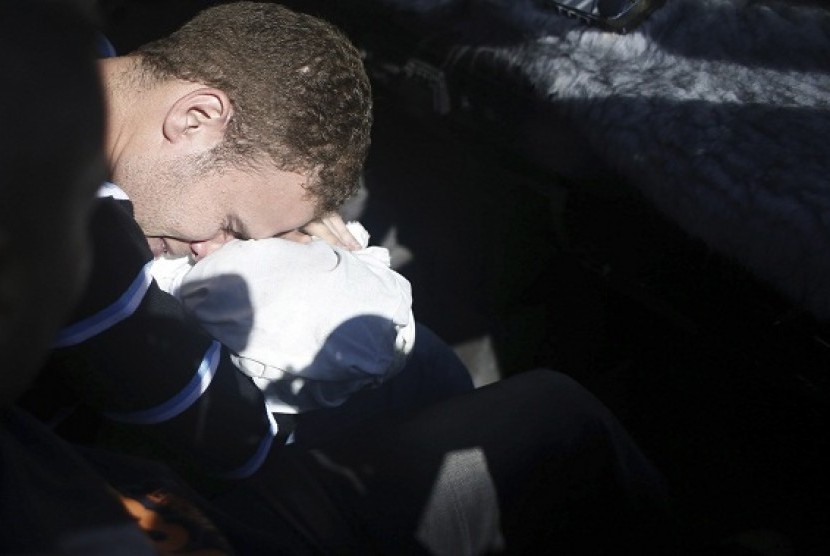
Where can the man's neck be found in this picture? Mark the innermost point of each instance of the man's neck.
(121, 95)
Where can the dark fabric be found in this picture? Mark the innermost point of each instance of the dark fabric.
(532, 462)
(51, 501)
(190, 515)
(433, 372)
(150, 357)
(110, 373)
(56, 498)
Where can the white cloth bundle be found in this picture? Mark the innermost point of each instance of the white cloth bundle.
(309, 323)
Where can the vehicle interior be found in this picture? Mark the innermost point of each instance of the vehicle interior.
(646, 209)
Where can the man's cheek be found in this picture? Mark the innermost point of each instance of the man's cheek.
(176, 248)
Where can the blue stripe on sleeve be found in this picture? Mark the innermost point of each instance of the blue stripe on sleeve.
(108, 317)
(105, 47)
(256, 461)
(181, 401)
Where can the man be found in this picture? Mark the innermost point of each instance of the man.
(56, 498)
(250, 121)
(533, 460)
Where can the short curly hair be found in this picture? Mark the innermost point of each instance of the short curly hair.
(299, 90)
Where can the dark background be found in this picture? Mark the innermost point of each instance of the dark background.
(723, 383)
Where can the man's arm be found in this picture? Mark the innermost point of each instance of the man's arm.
(133, 354)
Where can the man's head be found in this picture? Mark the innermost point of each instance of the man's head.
(260, 122)
(50, 166)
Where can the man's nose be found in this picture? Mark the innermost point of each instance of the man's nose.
(202, 249)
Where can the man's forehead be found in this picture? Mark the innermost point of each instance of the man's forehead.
(273, 208)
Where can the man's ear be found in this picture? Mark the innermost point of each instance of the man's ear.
(197, 121)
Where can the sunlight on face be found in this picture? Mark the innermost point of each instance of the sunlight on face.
(218, 207)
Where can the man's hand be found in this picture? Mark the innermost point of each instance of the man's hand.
(330, 229)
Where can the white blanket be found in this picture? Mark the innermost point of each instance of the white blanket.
(309, 323)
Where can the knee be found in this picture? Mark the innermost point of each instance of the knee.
(553, 382)
(436, 360)
(556, 393)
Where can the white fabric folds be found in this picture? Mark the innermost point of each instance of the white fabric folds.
(309, 323)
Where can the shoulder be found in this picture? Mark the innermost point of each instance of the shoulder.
(120, 253)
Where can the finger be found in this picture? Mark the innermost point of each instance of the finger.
(333, 230)
(321, 231)
(335, 223)
(296, 235)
